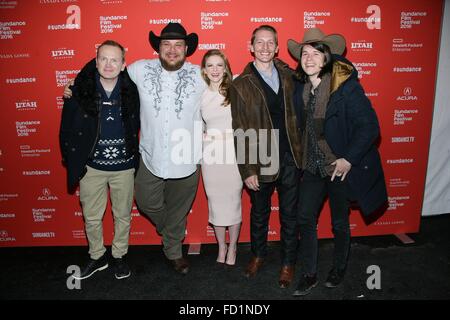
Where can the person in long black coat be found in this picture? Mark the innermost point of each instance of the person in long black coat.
(339, 130)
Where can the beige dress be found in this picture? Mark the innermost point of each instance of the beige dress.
(221, 178)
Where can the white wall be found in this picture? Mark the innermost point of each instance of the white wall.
(437, 188)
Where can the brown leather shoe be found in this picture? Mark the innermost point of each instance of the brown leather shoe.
(180, 265)
(286, 276)
(253, 267)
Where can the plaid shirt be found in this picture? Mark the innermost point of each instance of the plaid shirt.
(315, 158)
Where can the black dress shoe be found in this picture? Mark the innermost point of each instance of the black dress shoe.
(180, 265)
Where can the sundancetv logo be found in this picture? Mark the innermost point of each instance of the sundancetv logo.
(403, 139)
(209, 46)
(49, 234)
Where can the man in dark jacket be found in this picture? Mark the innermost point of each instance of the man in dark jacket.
(261, 102)
(99, 145)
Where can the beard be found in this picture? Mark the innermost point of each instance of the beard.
(171, 67)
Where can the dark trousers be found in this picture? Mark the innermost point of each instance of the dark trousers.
(287, 188)
(313, 190)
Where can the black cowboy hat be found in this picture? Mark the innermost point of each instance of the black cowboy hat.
(174, 31)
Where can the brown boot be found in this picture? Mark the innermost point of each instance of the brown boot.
(180, 265)
(286, 276)
(253, 267)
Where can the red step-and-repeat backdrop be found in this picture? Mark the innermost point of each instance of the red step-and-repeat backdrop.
(44, 43)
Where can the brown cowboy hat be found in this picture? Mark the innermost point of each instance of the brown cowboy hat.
(174, 31)
(335, 42)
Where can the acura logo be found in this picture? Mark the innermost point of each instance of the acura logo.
(407, 91)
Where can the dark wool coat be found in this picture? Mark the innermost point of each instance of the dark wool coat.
(80, 121)
(351, 130)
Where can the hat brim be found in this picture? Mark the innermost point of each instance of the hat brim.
(191, 41)
(335, 42)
